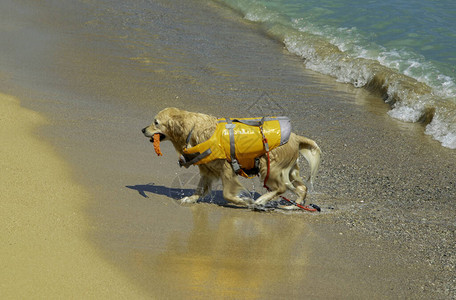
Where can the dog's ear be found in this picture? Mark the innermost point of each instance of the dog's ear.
(175, 125)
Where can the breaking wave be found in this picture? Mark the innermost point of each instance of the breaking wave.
(415, 88)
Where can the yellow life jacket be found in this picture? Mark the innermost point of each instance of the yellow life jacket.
(240, 141)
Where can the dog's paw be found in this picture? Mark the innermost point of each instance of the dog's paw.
(189, 199)
(249, 201)
(288, 207)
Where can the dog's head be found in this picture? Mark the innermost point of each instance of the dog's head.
(170, 124)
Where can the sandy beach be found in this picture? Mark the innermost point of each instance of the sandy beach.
(89, 210)
(44, 251)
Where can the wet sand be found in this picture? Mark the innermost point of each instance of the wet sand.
(387, 191)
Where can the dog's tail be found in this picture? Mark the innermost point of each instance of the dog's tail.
(310, 150)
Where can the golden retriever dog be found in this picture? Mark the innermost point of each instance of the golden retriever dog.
(175, 125)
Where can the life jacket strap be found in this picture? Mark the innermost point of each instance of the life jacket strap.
(189, 136)
(187, 161)
(265, 140)
(234, 162)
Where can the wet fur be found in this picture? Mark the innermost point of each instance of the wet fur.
(175, 125)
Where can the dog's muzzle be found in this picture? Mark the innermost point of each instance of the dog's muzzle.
(147, 133)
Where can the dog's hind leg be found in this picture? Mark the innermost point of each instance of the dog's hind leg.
(278, 182)
(294, 183)
(286, 179)
(265, 198)
(297, 186)
(298, 183)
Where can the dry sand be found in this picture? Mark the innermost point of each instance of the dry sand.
(44, 251)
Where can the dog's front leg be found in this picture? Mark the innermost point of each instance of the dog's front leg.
(232, 187)
(203, 188)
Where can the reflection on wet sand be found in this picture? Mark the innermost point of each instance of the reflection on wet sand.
(245, 255)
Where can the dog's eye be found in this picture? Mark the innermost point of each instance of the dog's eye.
(155, 122)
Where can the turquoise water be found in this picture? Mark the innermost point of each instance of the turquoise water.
(401, 49)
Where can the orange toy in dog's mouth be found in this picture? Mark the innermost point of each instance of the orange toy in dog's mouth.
(157, 144)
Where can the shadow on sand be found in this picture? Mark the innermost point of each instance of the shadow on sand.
(215, 197)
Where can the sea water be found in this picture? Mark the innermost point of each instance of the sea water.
(403, 49)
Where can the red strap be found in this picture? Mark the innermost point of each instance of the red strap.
(267, 172)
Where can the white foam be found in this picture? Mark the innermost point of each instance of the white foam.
(338, 65)
(355, 64)
(447, 88)
(261, 14)
(406, 113)
(442, 132)
(256, 17)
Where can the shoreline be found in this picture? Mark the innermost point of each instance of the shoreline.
(390, 186)
(411, 98)
(44, 249)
